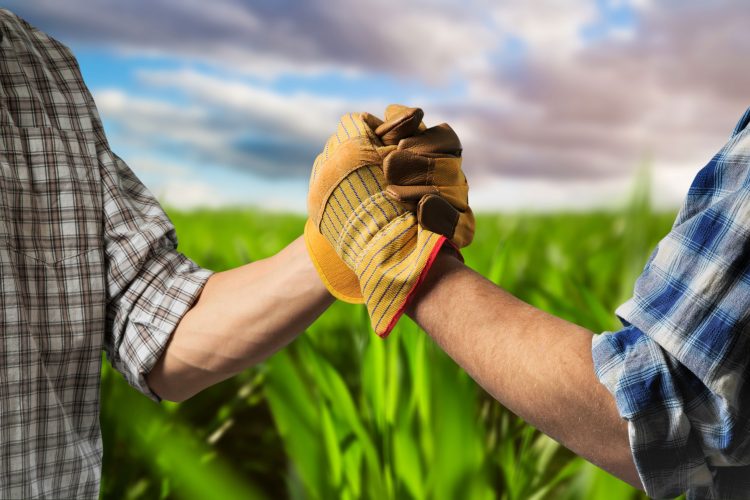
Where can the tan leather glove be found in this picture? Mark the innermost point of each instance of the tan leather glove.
(352, 220)
(424, 173)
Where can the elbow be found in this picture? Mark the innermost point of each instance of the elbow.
(174, 397)
(175, 392)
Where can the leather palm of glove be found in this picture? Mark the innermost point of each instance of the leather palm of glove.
(362, 236)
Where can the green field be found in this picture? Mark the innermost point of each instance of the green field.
(343, 414)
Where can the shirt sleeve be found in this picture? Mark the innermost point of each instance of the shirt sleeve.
(679, 368)
(150, 286)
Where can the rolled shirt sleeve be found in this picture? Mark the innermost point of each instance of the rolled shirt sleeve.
(87, 260)
(679, 367)
(150, 286)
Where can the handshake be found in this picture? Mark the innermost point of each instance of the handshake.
(385, 197)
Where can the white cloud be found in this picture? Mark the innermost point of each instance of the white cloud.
(669, 95)
(665, 89)
(419, 38)
(186, 195)
(551, 27)
(227, 124)
(297, 115)
(509, 194)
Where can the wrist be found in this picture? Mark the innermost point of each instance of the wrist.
(306, 275)
(447, 263)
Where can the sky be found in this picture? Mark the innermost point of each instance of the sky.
(558, 104)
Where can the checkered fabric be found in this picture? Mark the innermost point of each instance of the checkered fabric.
(679, 368)
(88, 261)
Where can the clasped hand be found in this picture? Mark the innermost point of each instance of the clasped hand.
(385, 197)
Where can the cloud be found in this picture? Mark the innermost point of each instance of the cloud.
(187, 195)
(548, 25)
(269, 38)
(297, 115)
(667, 95)
(556, 95)
(227, 123)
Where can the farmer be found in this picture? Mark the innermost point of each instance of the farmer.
(88, 261)
(663, 403)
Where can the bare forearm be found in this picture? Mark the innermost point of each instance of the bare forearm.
(242, 316)
(537, 365)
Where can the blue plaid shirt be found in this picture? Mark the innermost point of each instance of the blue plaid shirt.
(679, 368)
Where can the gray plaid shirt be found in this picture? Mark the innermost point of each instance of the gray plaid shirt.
(88, 261)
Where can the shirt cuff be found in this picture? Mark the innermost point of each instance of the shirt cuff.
(171, 284)
(655, 394)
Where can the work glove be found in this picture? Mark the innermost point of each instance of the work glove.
(365, 242)
(424, 174)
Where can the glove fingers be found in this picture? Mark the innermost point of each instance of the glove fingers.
(400, 122)
(464, 232)
(437, 215)
(440, 139)
(372, 121)
(406, 168)
(406, 194)
(457, 196)
(394, 109)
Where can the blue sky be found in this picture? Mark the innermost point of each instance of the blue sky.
(557, 104)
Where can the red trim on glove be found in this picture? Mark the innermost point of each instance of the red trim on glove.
(422, 276)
